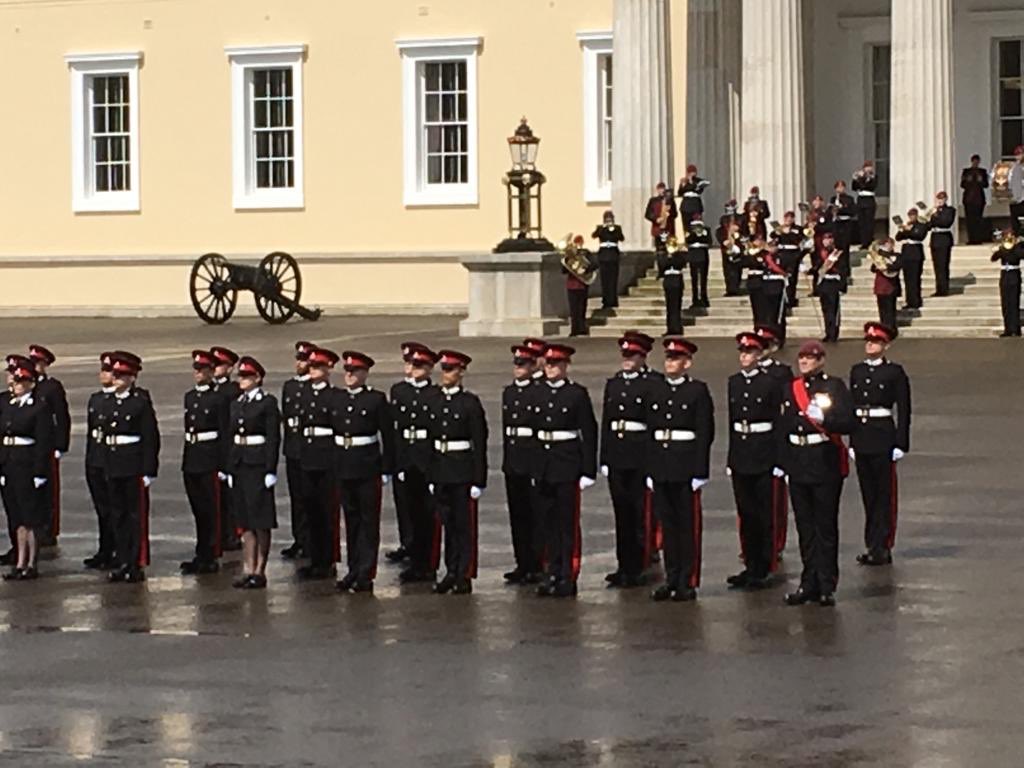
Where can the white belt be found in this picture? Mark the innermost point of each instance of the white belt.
(200, 437)
(948, 230)
(675, 435)
(628, 426)
(250, 439)
(755, 272)
(874, 413)
(609, 245)
(831, 276)
(318, 432)
(447, 446)
(774, 277)
(1010, 267)
(691, 194)
(865, 194)
(414, 434)
(557, 435)
(123, 439)
(668, 272)
(748, 427)
(19, 441)
(789, 247)
(913, 242)
(844, 218)
(354, 441)
(814, 439)
(518, 432)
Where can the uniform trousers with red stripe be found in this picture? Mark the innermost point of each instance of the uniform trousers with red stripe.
(129, 506)
(678, 508)
(558, 505)
(458, 513)
(876, 474)
(816, 509)
(203, 492)
(753, 493)
(320, 500)
(412, 497)
(360, 503)
(627, 488)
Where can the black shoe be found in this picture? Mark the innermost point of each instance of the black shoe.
(117, 574)
(255, 581)
(10, 557)
(739, 580)
(364, 586)
(444, 586)
(345, 583)
(242, 581)
(397, 555)
(614, 578)
(462, 587)
(294, 552)
(1005, 335)
(631, 581)
(99, 561)
(545, 589)
(664, 592)
(134, 575)
(533, 578)
(875, 558)
(415, 576)
(827, 600)
(758, 582)
(684, 595)
(516, 576)
(189, 567)
(28, 574)
(13, 575)
(564, 589)
(315, 572)
(800, 597)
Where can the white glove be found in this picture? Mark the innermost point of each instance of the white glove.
(778, 472)
(38, 482)
(430, 488)
(475, 492)
(853, 454)
(270, 480)
(697, 483)
(586, 482)
(58, 455)
(649, 482)
(3, 481)
(728, 471)
(604, 470)
(147, 481)
(401, 477)
(222, 477)
(814, 413)
(897, 454)
(231, 481)
(385, 479)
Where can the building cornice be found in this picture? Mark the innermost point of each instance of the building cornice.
(22, 261)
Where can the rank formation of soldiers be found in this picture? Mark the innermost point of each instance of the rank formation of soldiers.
(427, 439)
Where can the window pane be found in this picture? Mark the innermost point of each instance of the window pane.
(99, 120)
(448, 108)
(116, 152)
(259, 82)
(433, 109)
(1009, 100)
(1011, 135)
(434, 139)
(451, 139)
(445, 112)
(464, 168)
(117, 178)
(262, 174)
(259, 117)
(431, 76)
(434, 169)
(262, 145)
(102, 149)
(1009, 58)
(114, 124)
(464, 139)
(451, 169)
(463, 113)
(276, 114)
(101, 181)
(449, 76)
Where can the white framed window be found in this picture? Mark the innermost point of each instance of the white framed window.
(439, 121)
(597, 116)
(266, 126)
(879, 71)
(1010, 97)
(104, 132)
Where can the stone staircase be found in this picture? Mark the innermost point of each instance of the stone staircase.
(971, 311)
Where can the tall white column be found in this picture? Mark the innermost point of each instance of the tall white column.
(921, 103)
(774, 142)
(714, 60)
(642, 111)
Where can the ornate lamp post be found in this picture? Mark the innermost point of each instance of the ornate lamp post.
(523, 187)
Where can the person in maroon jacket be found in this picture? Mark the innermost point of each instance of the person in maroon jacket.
(888, 287)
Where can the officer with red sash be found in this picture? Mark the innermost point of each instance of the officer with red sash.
(816, 412)
(782, 374)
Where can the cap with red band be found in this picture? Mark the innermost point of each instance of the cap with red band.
(422, 356)
(811, 349)
(202, 358)
(521, 351)
(39, 352)
(537, 345)
(323, 357)
(249, 367)
(23, 370)
(303, 348)
(223, 355)
(879, 332)
(357, 360)
(748, 340)
(635, 343)
(451, 357)
(559, 352)
(125, 363)
(676, 346)
(14, 360)
(106, 361)
(131, 357)
(767, 333)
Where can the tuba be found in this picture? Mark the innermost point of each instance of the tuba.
(575, 259)
(883, 262)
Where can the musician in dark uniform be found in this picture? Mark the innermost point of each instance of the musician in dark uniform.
(671, 261)
(754, 400)
(912, 233)
(774, 287)
(363, 428)
(226, 360)
(518, 445)
(132, 463)
(52, 391)
(789, 254)
(782, 374)
(609, 235)
(1009, 254)
(698, 242)
(819, 218)
(754, 204)
(564, 465)
(97, 414)
(661, 211)
(202, 463)
(622, 458)
(319, 491)
(577, 289)
(940, 225)
(974, 182)
(844, 220)
(252, 469)
(816, 412)
(753, 261)
(865, 185)
(410, 400)
(691, 187)
(729, 234)
(681, 428)
(26, 452)
(829, 285)
(880, 438)
(293, 401)
(458, 471)
(888, 287)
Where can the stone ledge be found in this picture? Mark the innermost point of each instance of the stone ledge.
(15, 261)
(185, 310)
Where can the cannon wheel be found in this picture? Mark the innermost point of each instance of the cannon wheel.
(283, 273)
(214, 298)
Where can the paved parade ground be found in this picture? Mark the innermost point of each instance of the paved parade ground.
(919, 664)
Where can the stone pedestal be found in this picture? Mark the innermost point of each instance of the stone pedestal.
(514, 294)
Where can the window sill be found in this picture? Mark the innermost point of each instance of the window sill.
(597, 194)
(464, 195)
(281, 200)
(115, 203)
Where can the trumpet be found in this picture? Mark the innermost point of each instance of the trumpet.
(575, 259)
(1008, 241)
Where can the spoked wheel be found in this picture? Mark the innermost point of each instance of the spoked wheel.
(281, 272)
(214, 298)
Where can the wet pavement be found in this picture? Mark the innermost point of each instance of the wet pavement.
(919, 664)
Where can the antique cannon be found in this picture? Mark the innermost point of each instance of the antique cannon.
(275, 282)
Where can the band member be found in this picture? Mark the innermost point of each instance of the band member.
(754, 204)
(729, 234)
(691, 187)
(202, 462)
(518, 444)
(132, 463)
(912, 233)
(782, 375)
(363, 454)
(671, 260)
(1009, 254)
(755, 227)
(52, 391)
(622, 458)
(773, 288)
(564, 465)
(888, 286)
(97, 414)
(879, 440)
(319, 491)
(829, 286)
(458, 471)
(252, 469)
(754, 265)
(1015, 186)
(817, 220)
(974, 182)
(941, 243)
(293, 399)
(698, 242)
(789, 244)
(816, 412)
(609, 234)
(661, 212)
(865, 183)
(577, 293)
(410, 415)
(754, 401)
(26, 453)
(844, 216)
(228, 389)
(681, 428)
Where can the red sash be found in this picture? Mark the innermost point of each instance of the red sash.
(803, 400)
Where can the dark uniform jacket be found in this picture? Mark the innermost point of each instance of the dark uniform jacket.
(843, 208)
(974, 181)
(828, 281)
(609, 237)
(516, 414)
(789, 244)
(915, 233)
(781, 373)
(228, 388)
(754, 399)
(863, 184)
(316, 430)
(942, 219)
(97, 415)
(131, 413)
(565, 407)
(680, 404)
(626, 398)
(31, 419)
(411, 417)
(52, 391)
(361, 412)
(761, 206)
(884, 385)
(690, 192)
(251, 416)
(814, 463)
(294, 394)
(206, 410)
(1010, 257)
(667, 261)
(457, 415)
(698, 243)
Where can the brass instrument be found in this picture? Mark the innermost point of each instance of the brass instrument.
(698, 228)
(1001, 180)
(1007, 242)
(663, 215)
(576, 260)
(882, 262)
(674, 244)
(926, 212)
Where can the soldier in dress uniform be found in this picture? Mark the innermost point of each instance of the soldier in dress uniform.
(729, 235)
(754, 266)
(609, 235)
(518, 445)
(564, 465)
(777, 265)
(26, 453)
(865, 184)
(363, 428)
(754, 401)
(671, 261)
(888, 287)
(97, 415)
(681, 428)
(789, 245)
(782, 374)
(844, 219)
(661, 211)
(691, 187)
(52, 391)
(255, 425)
(974, 182)
(410, 400)
(458, 470)
(226, 360)
(829, 286)
(698, 242)
(816, 412)
(623, 445)
(941, 241)
(1009, 259)
(293, 401)
(132, 462)
(912, 233)
(879, 439)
